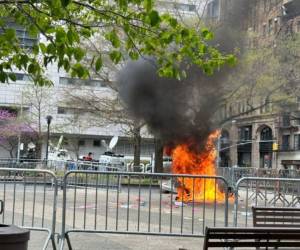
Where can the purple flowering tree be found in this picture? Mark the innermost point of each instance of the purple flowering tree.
(10, 130)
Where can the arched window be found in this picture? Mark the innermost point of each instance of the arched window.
(266, 134)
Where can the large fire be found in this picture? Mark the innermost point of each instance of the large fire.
(187, 161)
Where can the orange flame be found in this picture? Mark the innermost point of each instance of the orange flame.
(186, 161)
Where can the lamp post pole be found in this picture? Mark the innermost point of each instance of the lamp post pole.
(49, 119)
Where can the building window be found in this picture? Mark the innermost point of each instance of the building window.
(80, 82)
(81, 142)
(185, 7)
(286, 121)
(213, 9)
(22, 76)
(266, 134)
(297, 142)
(245, 133)
(97, 143)
(171, 6)
(25, 39)
(61, 110)
(285, 142)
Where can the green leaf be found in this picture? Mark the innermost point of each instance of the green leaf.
(185, 32)
(70, 36)
(10, 34)
(231, 60)
(115, 56)
(113, 38)
(31, 68)
(51, 49)
(65, 3)
(33, 31)
(134, 55)
(35, 49)
(24, 60)
(60, 36)
(173, 22)
(78, 69)
(43, 48)
(78, 54)
(86, 32)
(206, 34)
(148, 5)
(154, 17)
(98, 64)
(208, 69)
(12, 77)
(123, 4)
(66, 65)
(2, 77)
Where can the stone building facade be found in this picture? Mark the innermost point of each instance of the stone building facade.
(263, 138)
(80, 135)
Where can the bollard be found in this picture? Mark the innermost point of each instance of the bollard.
(13, 238)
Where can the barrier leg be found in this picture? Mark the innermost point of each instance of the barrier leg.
(68, 241)
(53, 242)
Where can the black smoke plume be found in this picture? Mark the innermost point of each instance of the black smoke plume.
(182, 111)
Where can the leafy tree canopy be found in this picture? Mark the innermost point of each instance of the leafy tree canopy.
(130, 28)
(267, 76)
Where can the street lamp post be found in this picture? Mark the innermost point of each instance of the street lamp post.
(48, 119)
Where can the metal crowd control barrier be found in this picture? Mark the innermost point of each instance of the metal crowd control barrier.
(263, 192)
(141, 207)
(233, 175)
(29, 200)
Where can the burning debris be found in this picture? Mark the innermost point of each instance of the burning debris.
(188, 162)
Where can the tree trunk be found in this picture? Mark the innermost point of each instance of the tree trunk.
(158, 158)
(11, 153)
(38, 149)
(137, 146)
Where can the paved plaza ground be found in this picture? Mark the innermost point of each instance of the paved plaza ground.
(121, 242)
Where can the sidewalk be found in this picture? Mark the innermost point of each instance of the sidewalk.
(121, 242)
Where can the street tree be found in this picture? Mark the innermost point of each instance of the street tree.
(37, 99)
(11, 130)
(267, 78)
(130, 29)
(101, 108)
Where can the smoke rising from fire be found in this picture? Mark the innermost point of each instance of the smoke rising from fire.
(182, 111)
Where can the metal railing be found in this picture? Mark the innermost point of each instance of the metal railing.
(57, 165)
(29, 198)
(263, 192)
(140, 207)
(233, 175)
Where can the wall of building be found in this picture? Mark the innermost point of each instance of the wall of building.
(268, 19)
